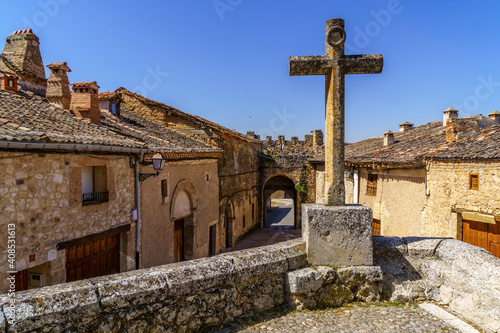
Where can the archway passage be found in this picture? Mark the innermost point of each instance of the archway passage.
(280, 203)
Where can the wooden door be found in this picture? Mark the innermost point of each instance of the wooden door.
(494, 239)
(179, 240)
(484, 235)
(22, 280)
(94, 258)
(376, 227)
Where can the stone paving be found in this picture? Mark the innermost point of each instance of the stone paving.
(358, 318)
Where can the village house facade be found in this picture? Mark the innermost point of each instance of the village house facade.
(79, 180)
(433, 180)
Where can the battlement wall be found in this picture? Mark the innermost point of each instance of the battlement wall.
(311, 145)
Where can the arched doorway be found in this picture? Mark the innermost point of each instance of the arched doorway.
(280, 203)
(183, 221)
(228, 222)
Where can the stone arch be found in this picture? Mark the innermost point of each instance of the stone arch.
(279, 183)
(228, 217)
(183, 220)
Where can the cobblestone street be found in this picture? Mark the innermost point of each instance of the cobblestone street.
(358, 318)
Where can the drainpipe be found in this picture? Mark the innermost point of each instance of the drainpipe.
(138, 207)
(355, 192)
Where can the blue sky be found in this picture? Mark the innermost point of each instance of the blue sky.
(227, 60)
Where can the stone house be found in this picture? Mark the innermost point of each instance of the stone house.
(433, 180)
(238, 166)
(78, 181)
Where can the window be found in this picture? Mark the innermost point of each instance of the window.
(244, 221)
(164, 188)
(10, 83)
(212, 242)
(371, 185)
(253, 210)
(474, 181)
(113, 109)
(94, 185)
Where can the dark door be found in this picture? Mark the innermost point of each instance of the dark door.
(95, 258)
(22, 280)
(179, 240)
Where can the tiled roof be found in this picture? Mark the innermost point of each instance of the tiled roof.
(109, 95)
(483, 146)
(30, 118)
(196, 119)
(63, 65)
(156, 136)
(423, 142)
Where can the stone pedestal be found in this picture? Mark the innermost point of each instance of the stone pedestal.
(338, 235)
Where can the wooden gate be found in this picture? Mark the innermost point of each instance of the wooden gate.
(179, 240)
(376, 227)
(94, 258)
(484, 235)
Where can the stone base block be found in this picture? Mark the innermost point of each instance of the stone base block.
(338, 235)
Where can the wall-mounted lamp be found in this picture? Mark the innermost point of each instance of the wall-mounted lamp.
(158, 165)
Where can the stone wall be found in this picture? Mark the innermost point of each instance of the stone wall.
(463, 278)
(183, 296)
(42, 195)
(449, 194)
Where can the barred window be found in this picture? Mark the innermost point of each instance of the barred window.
(473, 181)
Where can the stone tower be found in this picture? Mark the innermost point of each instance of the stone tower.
(21, 56)
(85, 100)
(58, 85)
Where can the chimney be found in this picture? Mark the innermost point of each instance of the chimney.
(21, 56)
(388, 138)
(403, 127)
(85, 100)
(449, 113)
(58, 85)
(461, 128)
(110, 101)
(8, 81)
(495, 116)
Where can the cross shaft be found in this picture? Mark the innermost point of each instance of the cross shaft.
(335, 65)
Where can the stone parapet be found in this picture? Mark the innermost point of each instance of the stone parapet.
(338, 235)
(183, 296)
(462, 277)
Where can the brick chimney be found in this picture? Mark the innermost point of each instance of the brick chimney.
(449, 113)
(495, 116)
(21, 56)
(8, 81)
(85, 100)
(461, 128)
(403, 127)
(388, 138)
(58, 85)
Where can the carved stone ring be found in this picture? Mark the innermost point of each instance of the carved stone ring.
(333, 36)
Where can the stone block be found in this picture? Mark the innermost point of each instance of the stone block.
(338, 235)
(295, 253)
(422, 247)
(303, 281)
(61, 305)
(256, 262)
(121, 291)
(328, 273)
(364, 281)
(189, 277)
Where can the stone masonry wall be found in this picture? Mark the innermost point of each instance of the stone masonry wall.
(42, 195)
(449, 193)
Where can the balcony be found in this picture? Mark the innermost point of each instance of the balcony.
(94, 198)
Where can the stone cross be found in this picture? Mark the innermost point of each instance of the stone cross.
(335, 65)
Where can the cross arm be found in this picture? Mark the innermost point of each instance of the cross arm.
(309, 65)
(362, 64)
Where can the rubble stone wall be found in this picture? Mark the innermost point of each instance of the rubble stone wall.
(41, 194)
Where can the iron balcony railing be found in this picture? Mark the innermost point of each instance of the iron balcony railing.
(94, 198)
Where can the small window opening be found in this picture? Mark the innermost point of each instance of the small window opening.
(208, 177)
(371, 185)
(474, 181)
(244, 224)
(164, 188)
(56, 71)
(10, 83)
